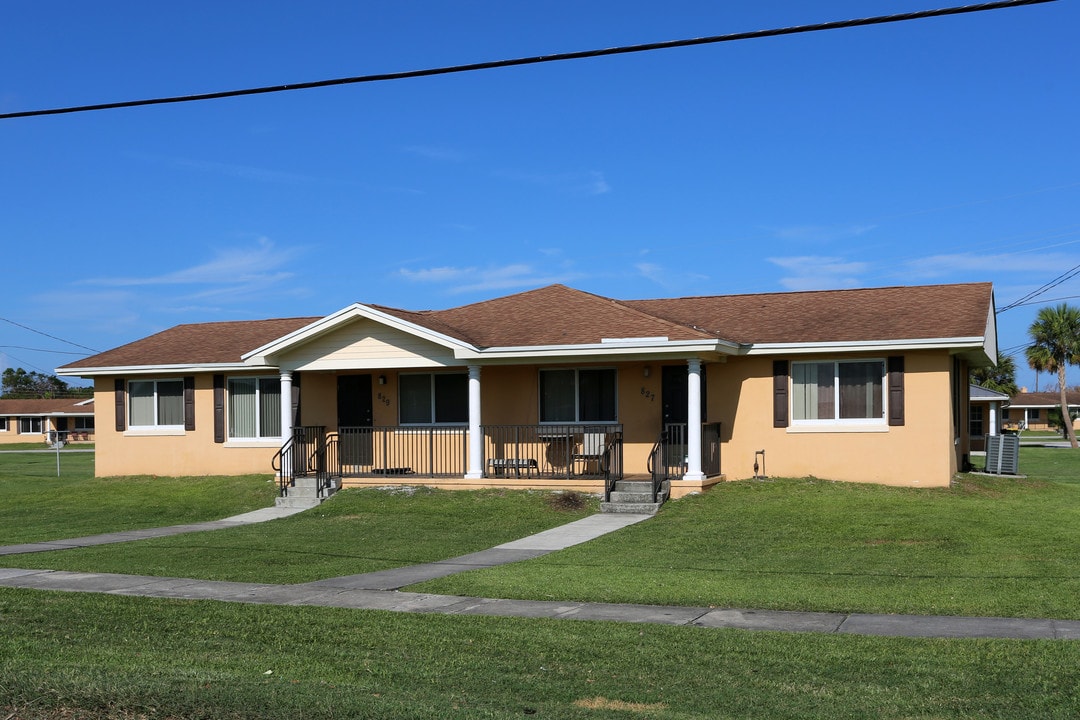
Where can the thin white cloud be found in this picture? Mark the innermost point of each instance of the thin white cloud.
(474, 279)
(952, 264)
(231, 266)
(577, 183)
(243, 172)
(819, 233)
(667, 278)
(815, 272)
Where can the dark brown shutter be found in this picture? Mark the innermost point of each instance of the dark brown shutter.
(219, 408)
(189, 403)
(121, 406)
(780, 393)
(896, 390)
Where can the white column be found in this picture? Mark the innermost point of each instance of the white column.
(476, 437)
(286, 417)
(286, 406)
(693, 422)
(993, 418)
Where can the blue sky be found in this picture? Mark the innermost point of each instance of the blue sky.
(930, 151)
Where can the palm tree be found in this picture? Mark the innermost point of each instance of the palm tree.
(999, 378)
(1055, 344)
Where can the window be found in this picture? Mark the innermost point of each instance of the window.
(28, 425)
(254, 407)
(433, 398)
(846, 391)
(84, 423)
(975, 421)
(3, 424)
(582, 395)
(1033, 414)
(156, 403)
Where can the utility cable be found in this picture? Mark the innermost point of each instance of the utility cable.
(1026, 299)
(580, 55)
(53, 337)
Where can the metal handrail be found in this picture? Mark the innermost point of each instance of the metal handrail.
(655, 462)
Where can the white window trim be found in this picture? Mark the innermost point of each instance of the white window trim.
(431, 409)
(255, 440)
(39, 431)
(577, 397)
(840, 424)
(155, 429)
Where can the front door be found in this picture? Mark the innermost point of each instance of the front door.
(674, 398)
(354, 419)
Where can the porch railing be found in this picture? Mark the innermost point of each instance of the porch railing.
(587, 451)
(431, 452)
(669, 456)
(590, 451)
(308, 453)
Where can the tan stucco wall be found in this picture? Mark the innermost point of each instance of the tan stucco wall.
(920, 453)
(12, 434)
(134, 452)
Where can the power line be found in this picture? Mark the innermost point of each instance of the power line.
(579, 55)
(53, 337)
(54, 352)
(1026, 300)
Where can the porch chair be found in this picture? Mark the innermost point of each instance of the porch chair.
(591, 453)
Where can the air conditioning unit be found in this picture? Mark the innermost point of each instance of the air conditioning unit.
(1003, 454)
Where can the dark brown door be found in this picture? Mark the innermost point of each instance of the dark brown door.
(355, 418)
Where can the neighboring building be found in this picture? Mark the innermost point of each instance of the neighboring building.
(985, 416)
(1030, 411)
(559, 388)
(45, 420)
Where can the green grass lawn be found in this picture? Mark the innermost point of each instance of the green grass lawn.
(37, 505)
(121, 657)
(988, 545)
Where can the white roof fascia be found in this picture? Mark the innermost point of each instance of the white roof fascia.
(964, 343)
(635, 346)
(163, 369)
(335, 320)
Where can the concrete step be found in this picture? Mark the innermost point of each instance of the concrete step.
(617, 496)
(634, 486)
(647, 508)
(295, 502)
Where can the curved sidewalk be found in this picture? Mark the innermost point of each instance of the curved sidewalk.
(380, 590)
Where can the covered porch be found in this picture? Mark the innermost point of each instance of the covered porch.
(587, 457)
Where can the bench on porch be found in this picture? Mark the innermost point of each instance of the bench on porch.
(501, 465)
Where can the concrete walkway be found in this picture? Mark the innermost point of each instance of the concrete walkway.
(379, 590)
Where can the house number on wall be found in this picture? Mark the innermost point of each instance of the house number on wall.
(384, 399)
(648, 394)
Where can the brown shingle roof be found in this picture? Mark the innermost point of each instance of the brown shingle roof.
(1044, 399)
(552, 315)
(559, 315)
(67, 406)
(199, 343)
(891, 313)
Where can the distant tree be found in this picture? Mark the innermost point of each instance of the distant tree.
(1055, 344)
(1000, 378)
(1053, 418)
(17, 383)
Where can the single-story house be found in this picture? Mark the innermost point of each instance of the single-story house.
(38, 420)
(561, 389)
(1030, 410)
(985, 415)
